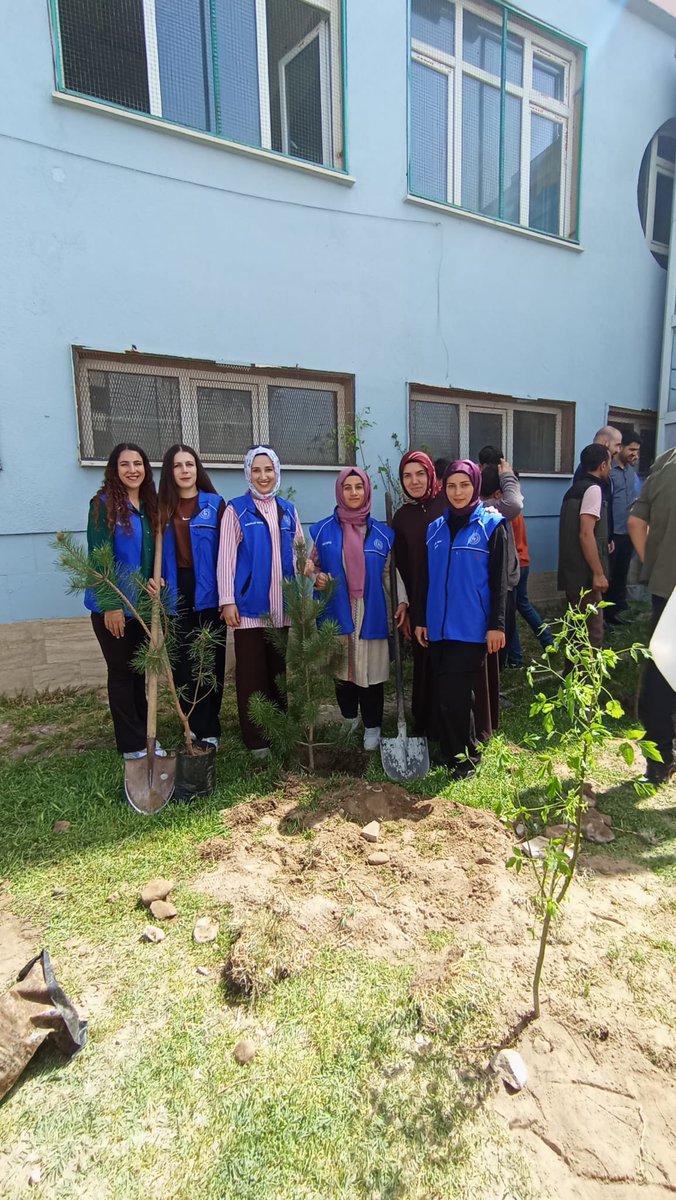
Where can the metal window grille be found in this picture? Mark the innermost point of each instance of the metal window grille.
(220, 410)
(266, 73)
(495, 107)
(537, 438)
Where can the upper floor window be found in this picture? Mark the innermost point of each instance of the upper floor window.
(495, 107)
(220, 410)
(266, 73)
(655, 191)
(537, 437)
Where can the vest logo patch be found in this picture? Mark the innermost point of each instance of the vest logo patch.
(378, 544)
(204, 513)
(474, 539)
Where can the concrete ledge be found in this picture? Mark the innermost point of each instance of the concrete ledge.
(542, 587)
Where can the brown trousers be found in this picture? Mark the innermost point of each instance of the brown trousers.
(257, 665)
(594, 620)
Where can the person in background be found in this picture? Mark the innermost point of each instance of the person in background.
(500, 489)
(523, 604)
(440, 465)
(652, 529)
(353, 550)
(610, 437)
(462, 606)
(123, 514)
(625, 487)
(191, 512)
(421, 487)
(258, 532)
(583, 538)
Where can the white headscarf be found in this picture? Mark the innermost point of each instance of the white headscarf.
(250, 455)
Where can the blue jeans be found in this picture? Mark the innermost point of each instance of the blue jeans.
(532, 617)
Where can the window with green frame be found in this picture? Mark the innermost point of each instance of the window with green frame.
(264, 73)
(495, 112)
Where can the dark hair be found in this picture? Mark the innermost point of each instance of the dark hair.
(593, 456)
(490, 454)
(490, 480)
(169, 494)
(440, 465)
(116, 498)
(629, 436)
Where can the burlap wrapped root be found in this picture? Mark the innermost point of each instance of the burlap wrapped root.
(35, 1009)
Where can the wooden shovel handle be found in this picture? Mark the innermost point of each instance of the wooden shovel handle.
(151, 677)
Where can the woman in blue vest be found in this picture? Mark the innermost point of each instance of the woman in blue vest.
(353, 550)
(123, 515)
(258, 532)
(191, 511)
(460, 612)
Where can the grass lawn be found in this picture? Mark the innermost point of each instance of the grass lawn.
(370, 1078)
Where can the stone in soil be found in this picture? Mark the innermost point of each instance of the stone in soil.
(61, 826)
(244, 1052)
(162, 910)
(59, 893)
(152, 934)
(371, 832)
(511, 1068)
(537, 847)
(596, 828)
(155, 889)
(206, 930)
(378, 858)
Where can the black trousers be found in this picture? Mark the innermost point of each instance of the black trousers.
(126, 687)
(424, 703)
(510, 626)
(369, 700)
(257, 665)
(657, 699)
(620, 561)
(456, 665)
(205, 720)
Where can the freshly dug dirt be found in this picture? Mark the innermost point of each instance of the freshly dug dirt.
(598, 1116)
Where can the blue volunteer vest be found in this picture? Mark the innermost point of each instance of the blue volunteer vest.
(458, 597)
(327, 536)
(204, 533)
(127, 548)
(254, 554)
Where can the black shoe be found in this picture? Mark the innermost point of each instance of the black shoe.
(613, 620)
(658, 773)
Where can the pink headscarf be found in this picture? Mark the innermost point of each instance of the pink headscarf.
(433, 487)
(351, 520)
(464, 466)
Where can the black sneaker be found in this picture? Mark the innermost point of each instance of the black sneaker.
(658, 773)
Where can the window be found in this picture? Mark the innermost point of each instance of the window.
(495, 110)
(220, 410)
(536, 437)
(266, 73)
(655, 191)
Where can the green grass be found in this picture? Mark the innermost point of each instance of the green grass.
(362, 1087)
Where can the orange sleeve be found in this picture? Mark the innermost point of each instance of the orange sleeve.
(521, 540)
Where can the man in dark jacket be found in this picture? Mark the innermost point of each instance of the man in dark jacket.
(583, 537)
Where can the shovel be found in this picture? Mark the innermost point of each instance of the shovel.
(403, 758)
(149, 781)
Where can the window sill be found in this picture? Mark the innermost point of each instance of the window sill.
(520, 230)
(196, 135)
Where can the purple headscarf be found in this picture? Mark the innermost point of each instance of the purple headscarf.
(463, 466)
(351, 519)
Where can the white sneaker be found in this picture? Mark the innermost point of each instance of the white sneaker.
(372, 738)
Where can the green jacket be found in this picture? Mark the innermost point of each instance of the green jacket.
(574, 570)
(657, 506)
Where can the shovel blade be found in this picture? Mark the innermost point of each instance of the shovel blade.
(404, 758)
(148, 785)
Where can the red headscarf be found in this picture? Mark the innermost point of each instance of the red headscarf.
(433, 485)
(353, 543)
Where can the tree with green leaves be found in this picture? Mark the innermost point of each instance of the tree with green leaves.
(114, 589)
(313, 652)
(574, 703)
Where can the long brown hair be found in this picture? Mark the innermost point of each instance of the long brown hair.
(169, 494)
(116, 498)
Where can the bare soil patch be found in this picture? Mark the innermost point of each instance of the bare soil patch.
(599, 1113)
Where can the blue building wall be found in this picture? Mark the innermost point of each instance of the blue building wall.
(114, 233)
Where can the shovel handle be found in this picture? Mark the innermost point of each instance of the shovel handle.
(151, 676)
(394, 603)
